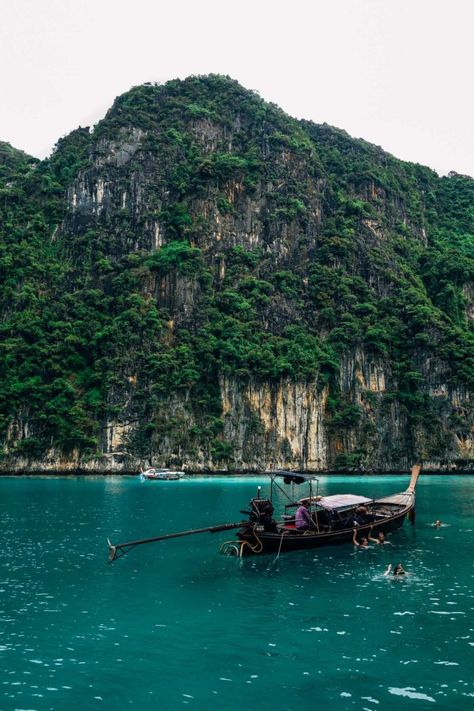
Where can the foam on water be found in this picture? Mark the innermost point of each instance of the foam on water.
(411, 693)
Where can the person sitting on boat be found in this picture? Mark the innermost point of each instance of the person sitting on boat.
(303, 520)
(363, 515)
(364, 543)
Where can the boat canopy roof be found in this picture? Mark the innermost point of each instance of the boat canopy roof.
(292, 477)
(342, 501)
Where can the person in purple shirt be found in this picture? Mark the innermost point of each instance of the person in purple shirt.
(303, 520)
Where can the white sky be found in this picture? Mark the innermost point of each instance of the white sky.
(398, 73)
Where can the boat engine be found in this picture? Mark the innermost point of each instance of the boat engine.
(261, 513)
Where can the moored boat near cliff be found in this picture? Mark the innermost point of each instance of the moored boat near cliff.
(331, 520)
(154, 474)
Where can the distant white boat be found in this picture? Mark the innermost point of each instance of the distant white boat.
(161, 474)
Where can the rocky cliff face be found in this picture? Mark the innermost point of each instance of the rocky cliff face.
(228, 288)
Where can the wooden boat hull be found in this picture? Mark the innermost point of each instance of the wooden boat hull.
(288, 540)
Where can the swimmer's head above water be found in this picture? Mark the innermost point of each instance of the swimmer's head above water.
(398, 570)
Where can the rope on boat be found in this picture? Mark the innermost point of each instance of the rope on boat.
(237, 547)
(256, 548)
(283, 533)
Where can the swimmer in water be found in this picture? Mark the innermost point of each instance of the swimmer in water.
(380, 540)
(398, 570)
(364, 543)
(438, 523)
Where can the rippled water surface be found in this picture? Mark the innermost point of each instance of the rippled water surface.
(175, 624)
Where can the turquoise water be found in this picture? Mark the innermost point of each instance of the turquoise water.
(175, 625)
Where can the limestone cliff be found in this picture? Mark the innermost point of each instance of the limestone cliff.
(223, 287)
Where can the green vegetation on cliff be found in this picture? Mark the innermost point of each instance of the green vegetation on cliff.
(199, 234)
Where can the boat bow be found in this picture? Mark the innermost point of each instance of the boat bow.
(405, 498)
(415, 473)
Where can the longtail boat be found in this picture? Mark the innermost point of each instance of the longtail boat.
(333, 519)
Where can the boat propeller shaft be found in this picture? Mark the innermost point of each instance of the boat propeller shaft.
(120, 549)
